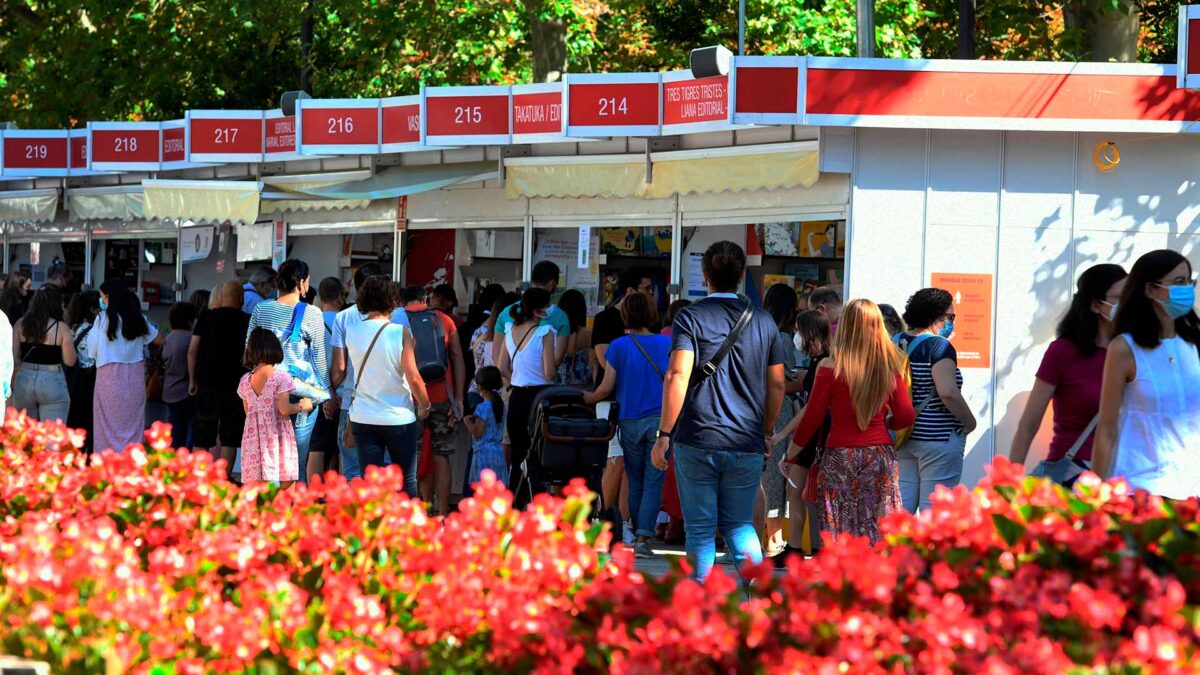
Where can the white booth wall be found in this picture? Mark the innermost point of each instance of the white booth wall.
(1029, 208)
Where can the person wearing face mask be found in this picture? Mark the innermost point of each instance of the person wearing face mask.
(933, 454)
(1149, 428)
(1070, 375)
(300, 328)
(528, 362)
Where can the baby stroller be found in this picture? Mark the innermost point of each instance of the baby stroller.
(569, 441)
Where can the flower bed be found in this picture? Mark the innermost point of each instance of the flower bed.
(149, 561)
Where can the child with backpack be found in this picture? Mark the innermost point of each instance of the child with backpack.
(487, 427)
(269, 450)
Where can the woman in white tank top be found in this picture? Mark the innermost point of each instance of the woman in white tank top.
(528, 362)
(1149, 429)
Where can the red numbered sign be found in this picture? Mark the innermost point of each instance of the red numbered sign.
(225, 135)
(124, 146)
(769, 89)
(36, 153)
(467, 115)
(621, 104)
(338, 126)
(401, 123)
(695, 105)
(537, 113)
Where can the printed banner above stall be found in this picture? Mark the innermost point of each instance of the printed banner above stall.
(339, 126)
(225, 135)
(467, 115)
(769, 89)
(692, 105)
(615, 104)
(401, 120)
(537, 113)
(124, 146)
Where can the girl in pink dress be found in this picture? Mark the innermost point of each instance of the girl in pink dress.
(268, 440)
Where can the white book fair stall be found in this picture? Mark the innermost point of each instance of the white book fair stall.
(998, 181)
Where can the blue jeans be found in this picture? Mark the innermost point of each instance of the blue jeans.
(716, 491)
(645, 481)
(377, 444)
(351, 468)
(926, 464)
(41, 391)
(303, 425)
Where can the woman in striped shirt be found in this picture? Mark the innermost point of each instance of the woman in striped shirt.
(303, 344)
(933, 455)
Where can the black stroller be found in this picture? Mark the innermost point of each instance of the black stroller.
(568, 441)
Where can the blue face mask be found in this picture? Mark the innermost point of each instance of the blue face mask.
(103, 305)
(947, 330)
(1180, 300)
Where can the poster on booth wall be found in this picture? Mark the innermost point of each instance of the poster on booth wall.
(620, 241)
(561, 246)
(195, 243)
(430, 258)
(818, 239)
(972, 337)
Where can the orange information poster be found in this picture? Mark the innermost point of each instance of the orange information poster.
(972, 337)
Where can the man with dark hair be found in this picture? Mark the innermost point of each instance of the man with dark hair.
(341, 371)
(720, 412)
(260, 287)
(445, 398)
(545, 275)
(827, 301)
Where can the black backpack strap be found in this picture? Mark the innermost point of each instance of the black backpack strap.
(648, 358)
(709, 368)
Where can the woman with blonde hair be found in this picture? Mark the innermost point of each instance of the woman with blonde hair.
(857, 478)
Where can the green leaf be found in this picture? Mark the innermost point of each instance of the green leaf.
(1010, 530)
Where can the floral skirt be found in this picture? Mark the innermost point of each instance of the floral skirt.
(856, 487)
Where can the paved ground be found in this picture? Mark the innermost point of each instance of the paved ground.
(660, 563)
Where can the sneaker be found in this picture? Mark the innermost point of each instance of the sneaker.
(642, 550)
(627, 536)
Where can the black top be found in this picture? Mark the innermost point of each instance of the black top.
(222, 334)
(43, 354)
(808, 455)
(606, 327)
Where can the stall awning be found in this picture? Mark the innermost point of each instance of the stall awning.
(28, 206)
(399, 181)
(286, 192)
(202, 201)
(118, 202)
(717, 170)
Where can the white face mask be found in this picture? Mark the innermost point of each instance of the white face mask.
(798, 342)
(1112, 310)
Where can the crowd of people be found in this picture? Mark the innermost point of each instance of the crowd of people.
(774, 426)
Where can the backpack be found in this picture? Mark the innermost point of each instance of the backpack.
(907, 349)
(429, 344)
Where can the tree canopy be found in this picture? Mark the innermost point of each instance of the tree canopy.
(63, 62)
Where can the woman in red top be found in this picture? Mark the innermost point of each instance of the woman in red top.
(858, 481)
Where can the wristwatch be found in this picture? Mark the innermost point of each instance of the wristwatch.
(662, 434)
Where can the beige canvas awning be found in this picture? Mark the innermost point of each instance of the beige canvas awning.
(737, 169)
(202, 201)
(29, 206)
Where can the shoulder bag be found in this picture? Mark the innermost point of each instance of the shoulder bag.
(709, 367)
(1067, 469)
(347, 435)
(306, 383)
(646, 354)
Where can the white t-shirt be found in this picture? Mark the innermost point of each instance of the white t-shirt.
(382, 396)
(527, 364)
(346, 319)
(106, 351)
